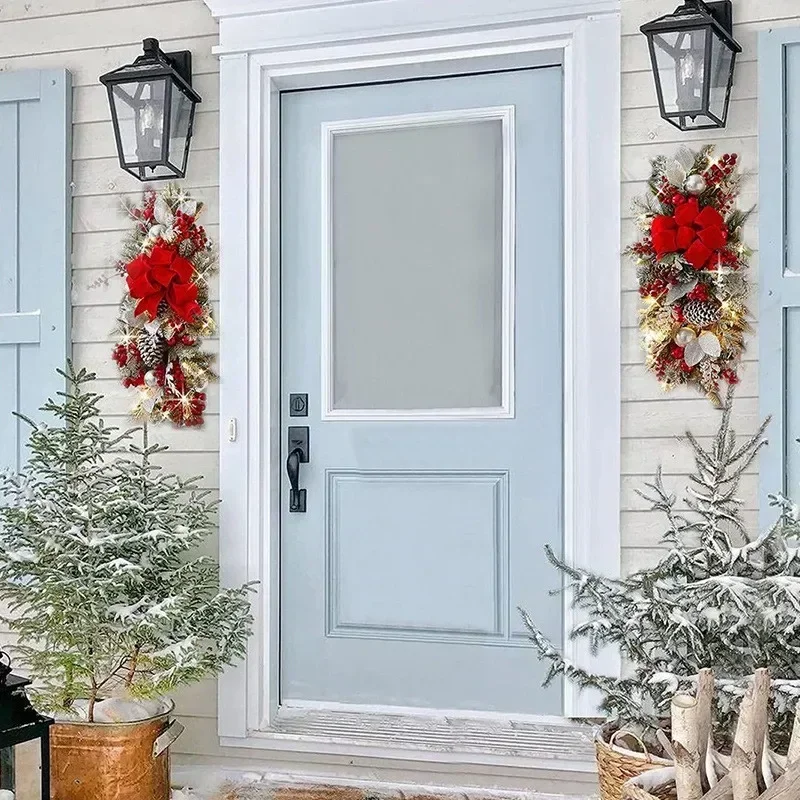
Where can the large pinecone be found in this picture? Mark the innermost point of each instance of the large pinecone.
(700, 313)
(153, 348)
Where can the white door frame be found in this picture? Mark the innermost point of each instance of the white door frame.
(271, 45)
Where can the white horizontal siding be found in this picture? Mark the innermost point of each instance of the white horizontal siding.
(649, 419)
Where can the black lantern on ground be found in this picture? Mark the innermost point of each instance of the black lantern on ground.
(152, 108)
(692, 51)
(20, 727)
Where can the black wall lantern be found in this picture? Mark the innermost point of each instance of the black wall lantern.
(692, 51)
(20, 723)
(152, 107)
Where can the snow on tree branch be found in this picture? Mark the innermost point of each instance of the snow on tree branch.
(98, 563)
(717, 597)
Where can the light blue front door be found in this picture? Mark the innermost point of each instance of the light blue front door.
(422, 317)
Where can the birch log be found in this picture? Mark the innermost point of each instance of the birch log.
(787, 787)
(722, 790)
(705, 697)
(686, 746)
(748, 742)
(793, 754)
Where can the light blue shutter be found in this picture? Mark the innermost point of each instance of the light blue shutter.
(35, 227)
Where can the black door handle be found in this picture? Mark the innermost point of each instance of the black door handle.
(297, 496)
(298, 454)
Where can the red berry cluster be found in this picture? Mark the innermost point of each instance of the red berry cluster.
(129, 360)
(677, 199)
(730, 376)
(727, 258)
(700, 292)
(654, 289)
(121, 354)
(179, 337)
(186, 230)
(718, 172)
(146, 214)
(643, 248)
(664, 187)
(674, 357)
(677, 353)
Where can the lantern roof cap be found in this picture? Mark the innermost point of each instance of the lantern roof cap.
(154, 63)
(693, 14)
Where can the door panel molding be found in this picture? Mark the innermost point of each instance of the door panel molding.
(494, 483)
(258, 60)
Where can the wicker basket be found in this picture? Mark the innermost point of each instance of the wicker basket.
(615, 764)
(656, 788)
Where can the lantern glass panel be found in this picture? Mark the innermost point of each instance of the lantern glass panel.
(139, 108)
(721, 76)
(20, 771)
(680, 65)
(180, 125)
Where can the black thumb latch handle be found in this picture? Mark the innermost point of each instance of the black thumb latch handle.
(297, 496)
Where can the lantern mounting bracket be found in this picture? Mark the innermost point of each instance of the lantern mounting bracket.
(720, 10)
(180, 60)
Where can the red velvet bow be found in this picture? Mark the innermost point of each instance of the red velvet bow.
(159, 275)
(697, 233)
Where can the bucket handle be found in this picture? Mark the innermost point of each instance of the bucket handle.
(169, 737)
(634, 736)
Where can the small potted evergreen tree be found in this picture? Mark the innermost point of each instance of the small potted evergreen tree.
(717, 598)
(111, 607)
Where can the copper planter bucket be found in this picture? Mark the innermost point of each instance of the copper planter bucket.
(112, 761)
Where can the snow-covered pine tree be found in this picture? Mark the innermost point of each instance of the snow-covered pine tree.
(96, 564)
(717, 598)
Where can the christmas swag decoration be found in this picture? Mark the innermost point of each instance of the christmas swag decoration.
(691, 263)
(167, 262)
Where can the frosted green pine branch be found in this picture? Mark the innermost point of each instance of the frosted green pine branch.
(717, 598)
(97, 563)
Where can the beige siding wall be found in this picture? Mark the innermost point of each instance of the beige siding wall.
(650, 417)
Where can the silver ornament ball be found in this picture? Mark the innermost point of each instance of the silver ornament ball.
(150, 378)
(695, 184)
(684, 336)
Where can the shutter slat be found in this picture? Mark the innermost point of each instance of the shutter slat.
(9, 278)
(20, 328)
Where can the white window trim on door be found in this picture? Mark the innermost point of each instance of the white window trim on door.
(504, 115)
(267, 46)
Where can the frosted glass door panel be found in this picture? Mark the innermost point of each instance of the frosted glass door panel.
(417, 267)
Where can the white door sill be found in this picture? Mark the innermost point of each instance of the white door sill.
(437, 736)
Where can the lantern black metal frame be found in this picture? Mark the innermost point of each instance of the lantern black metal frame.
(716, 16)
(20, 722)
(155, 64)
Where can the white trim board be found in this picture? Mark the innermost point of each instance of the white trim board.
(270, 45)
